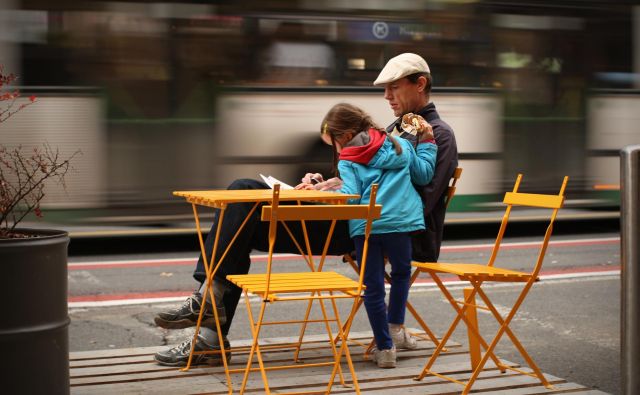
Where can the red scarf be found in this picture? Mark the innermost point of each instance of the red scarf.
(363, 153)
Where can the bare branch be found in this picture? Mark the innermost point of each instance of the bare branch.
(23, 173)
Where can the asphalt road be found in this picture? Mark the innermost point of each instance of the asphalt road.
(570, 322)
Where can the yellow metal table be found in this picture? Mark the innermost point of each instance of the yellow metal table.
(221, 199)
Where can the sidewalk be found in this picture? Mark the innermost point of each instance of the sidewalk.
(132, 370)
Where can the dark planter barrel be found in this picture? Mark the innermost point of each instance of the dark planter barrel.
(34, 328)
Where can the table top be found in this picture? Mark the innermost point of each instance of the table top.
(219, 197)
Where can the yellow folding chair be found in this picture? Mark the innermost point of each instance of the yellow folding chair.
(309, 286)
(451, 190)
(477, 275)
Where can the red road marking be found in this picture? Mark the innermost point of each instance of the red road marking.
(130, 264)
(524, 245)
(160, 262)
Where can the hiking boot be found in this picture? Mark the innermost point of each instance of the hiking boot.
(402, 339)
(179, 355)
(384, 358)
(187, 315)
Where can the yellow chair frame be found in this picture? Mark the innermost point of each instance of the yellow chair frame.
(314, 285)
(477, 274)
(451, 190)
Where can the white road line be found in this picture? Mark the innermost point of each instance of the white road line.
(124, 302)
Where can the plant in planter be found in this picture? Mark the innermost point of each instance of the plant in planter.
(23, 172)
(33, 264)
(22, 180)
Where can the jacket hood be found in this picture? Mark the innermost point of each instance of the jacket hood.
(364, 145)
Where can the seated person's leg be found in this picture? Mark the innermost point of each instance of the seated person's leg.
(317, 231)
(426, 244)
(237, 261)
(179, 355)
(187, 314)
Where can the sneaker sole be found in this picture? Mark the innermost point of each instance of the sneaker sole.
(182, 324)
(207, 361)
(405, 347)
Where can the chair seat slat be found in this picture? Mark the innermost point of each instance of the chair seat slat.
(471, 270)
(294, 282)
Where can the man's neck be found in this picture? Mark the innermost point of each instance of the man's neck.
(422, 104)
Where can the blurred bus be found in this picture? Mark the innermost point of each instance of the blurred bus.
(192, 95)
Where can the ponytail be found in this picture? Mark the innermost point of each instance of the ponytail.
(396, 144)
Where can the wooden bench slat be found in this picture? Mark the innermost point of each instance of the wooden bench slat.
(110, 372)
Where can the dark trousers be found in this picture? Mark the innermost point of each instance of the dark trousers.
(426, 244)
(255, 236)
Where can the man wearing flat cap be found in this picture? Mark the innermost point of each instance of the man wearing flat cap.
(407, 83)
(407, 86)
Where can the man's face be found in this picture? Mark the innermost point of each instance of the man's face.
(404, 96)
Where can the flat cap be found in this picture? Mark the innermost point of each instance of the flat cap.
(401, 66)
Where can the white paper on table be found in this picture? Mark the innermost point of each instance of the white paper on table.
(271, 181)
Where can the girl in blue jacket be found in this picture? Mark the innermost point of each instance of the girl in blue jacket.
(366, 155)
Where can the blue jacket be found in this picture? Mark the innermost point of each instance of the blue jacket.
(371, 158)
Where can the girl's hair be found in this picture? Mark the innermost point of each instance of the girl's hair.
(346, 118)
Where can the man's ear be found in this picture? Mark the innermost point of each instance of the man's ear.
(421, 82)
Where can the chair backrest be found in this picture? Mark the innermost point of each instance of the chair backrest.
(515, 198)
(275, 213)
(451, 189)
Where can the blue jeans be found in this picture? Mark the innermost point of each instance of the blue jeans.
(397, 247)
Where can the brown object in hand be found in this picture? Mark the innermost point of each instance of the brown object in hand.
(411, 119)
(413, 123)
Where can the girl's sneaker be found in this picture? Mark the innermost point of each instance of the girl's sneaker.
(402, 339)
(384, 358)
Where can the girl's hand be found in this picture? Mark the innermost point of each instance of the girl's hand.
(332, 184)
(303, 186)
(425, 131)
(312, 178)
(309, 181)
